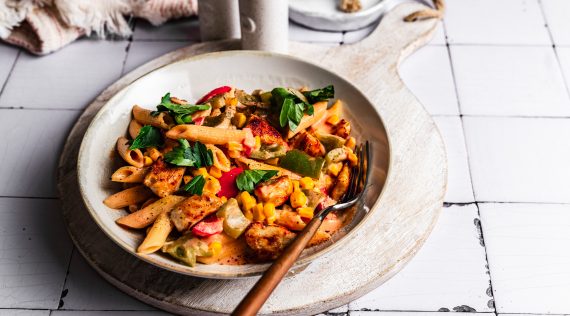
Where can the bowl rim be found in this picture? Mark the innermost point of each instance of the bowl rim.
(187, 270)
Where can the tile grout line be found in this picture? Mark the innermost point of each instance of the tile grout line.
(564, 78)
(10, 72)
(62, 295)
(490, 292)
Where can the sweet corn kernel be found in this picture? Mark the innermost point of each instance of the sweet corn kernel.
(212, 185)
(334, 168)
(234, 153)
(231, 101)
(186, 179)
(224, 199)
(147, 161)
(239, 120)
(201, 171)
(351, 143)
(269, 210)
(307, 183)
(257, 142)
(306, 212)
(333, 119)
(215, 172)
(246, 201)
(296, 185)
(216, 247)
(235, 146)
(272, 161)
(298, 199)
(353, 159)
(258, 212)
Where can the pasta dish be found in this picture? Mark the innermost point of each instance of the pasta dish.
(231, 178)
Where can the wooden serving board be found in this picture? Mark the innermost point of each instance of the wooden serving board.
(408, 208)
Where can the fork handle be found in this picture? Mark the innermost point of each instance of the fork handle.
(259, 293)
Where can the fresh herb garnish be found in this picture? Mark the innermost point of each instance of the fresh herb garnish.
(247, 180)
(195, 186)
(188, 156)
(182, 113)
(148, 136)
(320, 94)
(294, 103)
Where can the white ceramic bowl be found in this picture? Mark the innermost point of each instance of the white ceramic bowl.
(189, 79)
(325, 14)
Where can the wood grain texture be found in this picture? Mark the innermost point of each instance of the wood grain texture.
(408, 208)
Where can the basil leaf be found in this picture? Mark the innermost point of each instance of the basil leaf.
(320, 94)
(187, 156)
(195, 186)
(285, 109)
(179, 111)
(247, 180)
(293, 104)
(148, 136)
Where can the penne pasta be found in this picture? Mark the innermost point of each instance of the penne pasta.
(148, 214)
(308, 120)
(156, 236)
(133, 157)
(134, 128)
(143, 116)
(129, 174)
(128, 197)
(256, 165)
(207, 135)
(220, 160)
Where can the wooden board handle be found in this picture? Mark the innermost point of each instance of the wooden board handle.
(259, 293)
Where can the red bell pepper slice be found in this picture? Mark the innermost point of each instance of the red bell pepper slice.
(213, 93)
(209, 226)
(198, 120)
(228, 183)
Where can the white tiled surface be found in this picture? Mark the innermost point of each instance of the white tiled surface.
(518, 22)
(493, 62)
(428, 74)
(529, 256)
(448, 271)
(509, 81)
(519, 159)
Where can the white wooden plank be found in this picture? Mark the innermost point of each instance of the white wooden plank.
(8, 56)
(86, 290)
(448, 272)
(29, 158)
(34, 253)
(24, 312)
(495, 22)
(68, 79)
(509, 81)
(186, 29)
(519, 159)
(142, 52)
(564, 57)
(459, 187)
(527, 247)
(427, 73)
(556, 12)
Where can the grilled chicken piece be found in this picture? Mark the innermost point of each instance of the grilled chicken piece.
(267, 133)
(319, 238)
(341, 183)
(342, 129)
(290, 219)
(162, 179)
(309, 144)
(268, 240)
(192, 210)
(276, 191)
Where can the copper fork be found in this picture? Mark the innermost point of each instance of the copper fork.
(259, 293)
